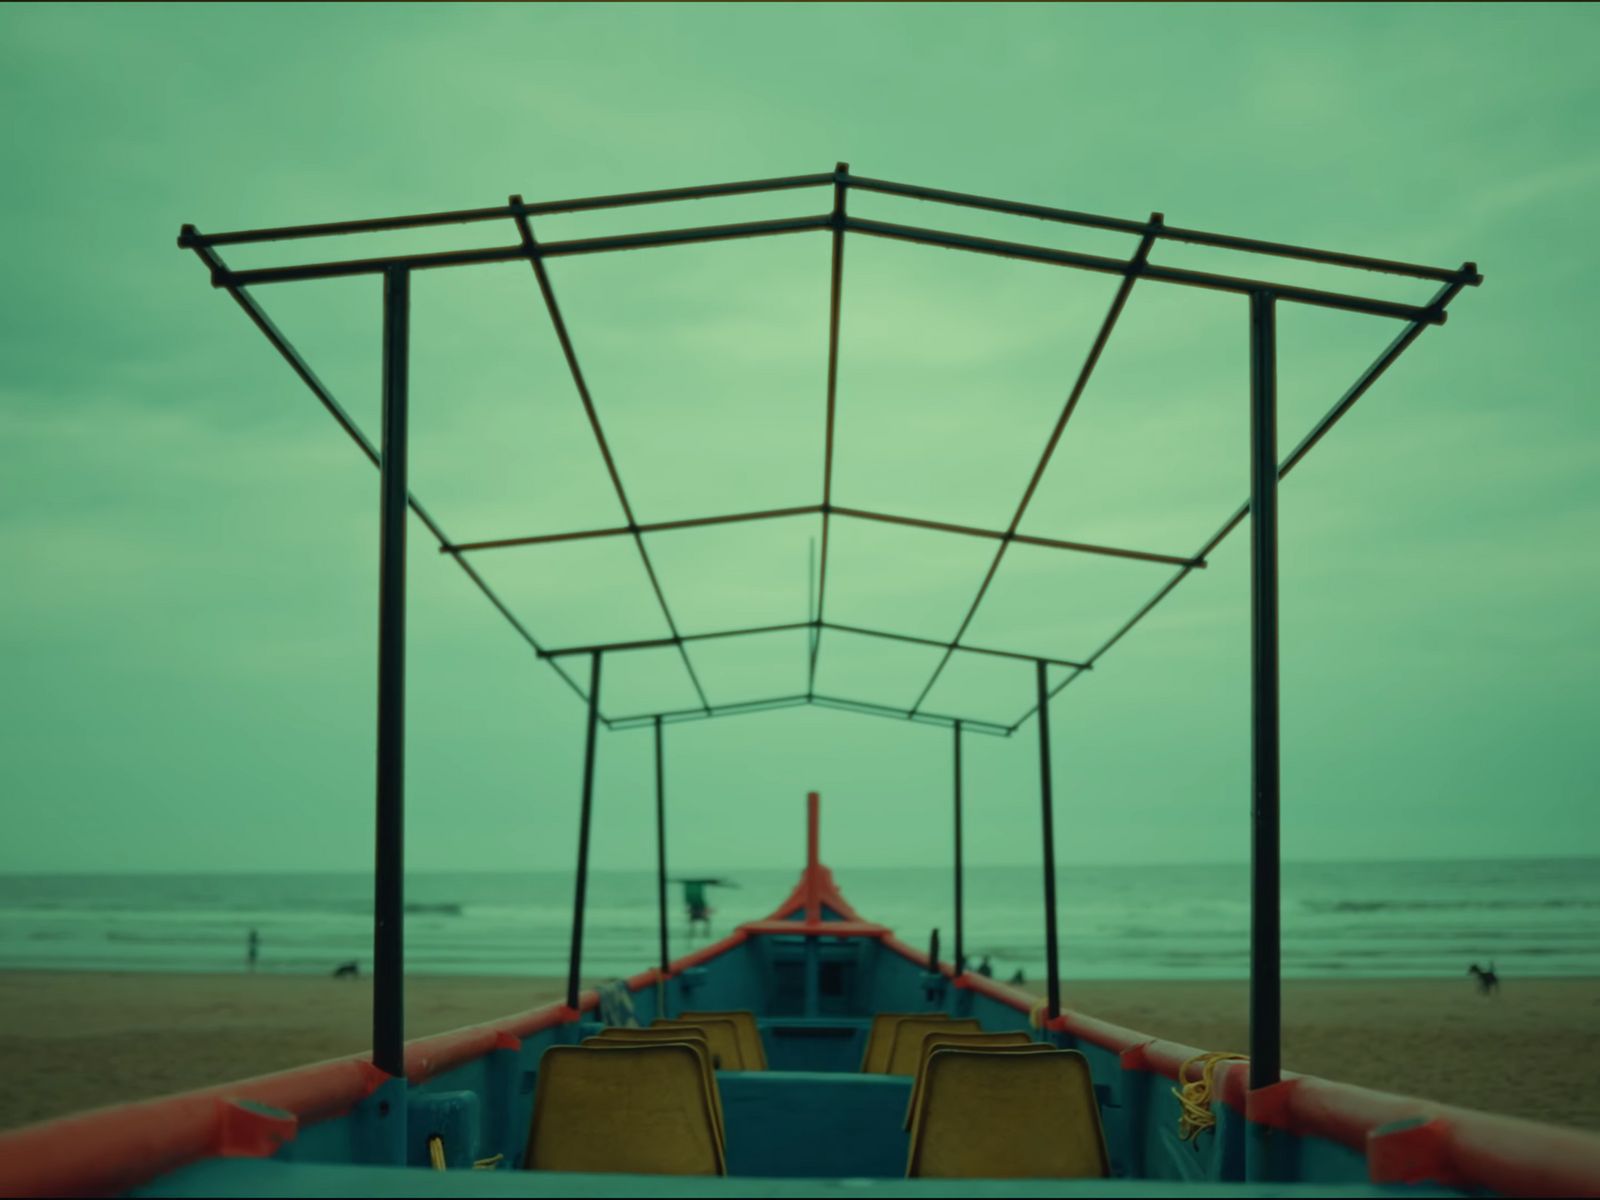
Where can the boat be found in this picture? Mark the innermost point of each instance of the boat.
(810, 1052)
(811, 1121)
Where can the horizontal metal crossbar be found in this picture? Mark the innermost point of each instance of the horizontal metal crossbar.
(864, 707)
(843, 178)
(1160, 274)
(658, 643)
(838, 222)
(1156, 229)
(774, 514)
(882, 229)
(1027, 538)
(501, 212)
(957, 646)
(674, 716)
(1374, 371)
(286, 350)
(920, 717)
(662, 643)
(519, 252)
(767, 514)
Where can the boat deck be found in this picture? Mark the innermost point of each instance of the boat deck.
(265, 1177)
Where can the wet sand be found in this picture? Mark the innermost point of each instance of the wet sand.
(70, 1041)
(1528, 1051)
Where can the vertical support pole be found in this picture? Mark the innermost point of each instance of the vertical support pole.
(813, 860)
(661, 850)
(388, 929)
(1046, 808)
(961, 954)
(813, 1004)
(576, 963)
(1265, 989)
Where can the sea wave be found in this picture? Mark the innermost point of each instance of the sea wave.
(1460, 904)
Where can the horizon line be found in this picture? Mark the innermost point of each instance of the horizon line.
(7, 873)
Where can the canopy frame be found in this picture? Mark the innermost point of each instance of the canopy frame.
(1266, 470)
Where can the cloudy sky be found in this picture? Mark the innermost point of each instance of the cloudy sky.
(188, 607)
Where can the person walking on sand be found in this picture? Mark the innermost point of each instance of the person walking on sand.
(986, 968)
(254, 951)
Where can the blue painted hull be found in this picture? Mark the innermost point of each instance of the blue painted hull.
(811, 1124)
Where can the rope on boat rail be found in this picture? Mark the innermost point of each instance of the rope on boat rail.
(1195, 1094)
(436, 1156)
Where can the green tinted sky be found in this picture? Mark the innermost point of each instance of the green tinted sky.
(188, 609)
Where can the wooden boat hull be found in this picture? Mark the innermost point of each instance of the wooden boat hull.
(812, 1124)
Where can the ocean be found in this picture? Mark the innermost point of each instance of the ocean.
(1350, 920)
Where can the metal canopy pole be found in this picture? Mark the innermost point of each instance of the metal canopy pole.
(836, 221)
(1346, 402)
(961, 953)
(661, 848)
(388, 949)
(1091, 360)
(1265, 991)
(1052, 954)
(583, 833)
(536, 255)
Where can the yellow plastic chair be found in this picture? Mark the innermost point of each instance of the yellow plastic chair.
(744, 1023)
(719, 1032)
(875, 1059)
(988, 1115)
(638, 1110)
(905, 1051)
(627, 1038)
(1014, 1039)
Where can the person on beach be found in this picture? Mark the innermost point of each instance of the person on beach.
(694, 898)
(254, 951)
(986, 968)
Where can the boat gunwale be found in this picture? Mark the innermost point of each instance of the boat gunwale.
(143, 1140)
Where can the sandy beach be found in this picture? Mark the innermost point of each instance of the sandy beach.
(1527, 1052)
(76, 1040)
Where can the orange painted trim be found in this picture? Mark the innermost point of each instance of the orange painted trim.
(1498, 1154)
(109, 1150)
(134, 1143)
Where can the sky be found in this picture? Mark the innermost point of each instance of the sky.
(188, 608)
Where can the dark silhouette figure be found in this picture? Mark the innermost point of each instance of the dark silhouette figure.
(694, 899)
(986, 968)
(351, 970)
(1017, 978)
(254, 951)
(1488, 981)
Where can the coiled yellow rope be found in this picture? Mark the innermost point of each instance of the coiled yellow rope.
(436, 1156)
(1195, 1094)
